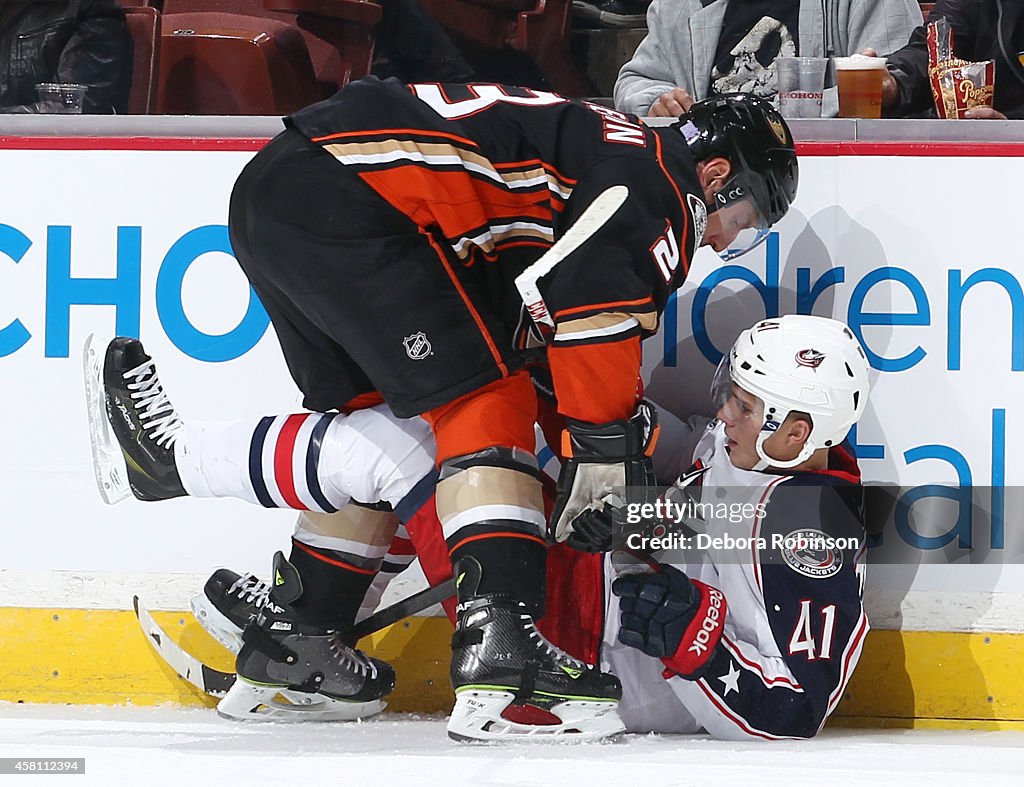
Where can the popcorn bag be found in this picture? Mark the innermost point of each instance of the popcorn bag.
(957, 85)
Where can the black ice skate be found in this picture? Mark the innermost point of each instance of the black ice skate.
(228, 603)
(132, 424)
(511, 683)
(283, 655)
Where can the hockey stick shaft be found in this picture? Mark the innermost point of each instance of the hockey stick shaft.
(590, 221)
(417, 602)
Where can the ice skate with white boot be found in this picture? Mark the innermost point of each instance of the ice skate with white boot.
(512, 684)
(132, 425)
(290, 669)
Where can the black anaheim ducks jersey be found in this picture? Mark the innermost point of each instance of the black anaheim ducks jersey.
(498, 173)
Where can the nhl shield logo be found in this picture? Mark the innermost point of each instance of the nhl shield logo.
(417, 346)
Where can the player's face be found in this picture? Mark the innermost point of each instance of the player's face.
(743, 415)
(735, 228)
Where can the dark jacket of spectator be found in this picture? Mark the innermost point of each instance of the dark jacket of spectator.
(982, 30)
(77, 41)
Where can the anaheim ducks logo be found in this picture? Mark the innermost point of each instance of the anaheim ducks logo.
(779, 129)
(810, 358)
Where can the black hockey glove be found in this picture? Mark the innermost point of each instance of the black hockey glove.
(671, 617)
(602, 459)
(604, 525)
(594, 528)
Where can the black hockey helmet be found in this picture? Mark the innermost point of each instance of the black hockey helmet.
(755, 139)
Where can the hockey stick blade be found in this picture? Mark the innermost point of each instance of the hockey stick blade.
(590, 221)
(408, 606)
(207, 679)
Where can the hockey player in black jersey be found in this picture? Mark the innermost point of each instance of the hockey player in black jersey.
(383, 231)
(758, 639)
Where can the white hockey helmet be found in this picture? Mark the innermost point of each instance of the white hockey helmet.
(802, 363)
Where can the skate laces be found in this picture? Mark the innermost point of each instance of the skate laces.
(555, 652)
(355, 660)
(155, 410)
(252, 589)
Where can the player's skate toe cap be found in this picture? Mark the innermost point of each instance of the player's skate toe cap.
(219, 582)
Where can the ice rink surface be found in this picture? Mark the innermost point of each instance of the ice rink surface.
(195, 748)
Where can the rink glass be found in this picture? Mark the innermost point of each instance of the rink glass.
(859, 79)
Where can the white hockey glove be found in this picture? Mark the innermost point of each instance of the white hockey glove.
(599, 460)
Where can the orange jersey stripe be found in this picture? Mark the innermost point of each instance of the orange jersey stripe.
(684, 259)
(604, 307)
(332, 561)
(469, 304)
(482, 536)
(387, 132)
(536, 162)
(455, 201)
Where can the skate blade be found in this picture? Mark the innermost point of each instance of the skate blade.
(216, 624)
(107, 459)
(477, 717)
(248, 702)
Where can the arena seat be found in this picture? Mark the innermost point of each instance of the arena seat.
(144, 28)
(538, 28)
(229, 64)
(337, 33)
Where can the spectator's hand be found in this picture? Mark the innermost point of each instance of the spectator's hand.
(671, 104)
(890, 93)
(984, 113)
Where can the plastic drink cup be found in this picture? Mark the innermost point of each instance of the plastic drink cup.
(63, 98)
(801, 85)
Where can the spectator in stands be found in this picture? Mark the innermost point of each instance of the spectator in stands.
(982, 30)
(697, 48)
(70, 41)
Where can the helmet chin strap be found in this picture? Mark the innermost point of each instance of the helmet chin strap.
(767, 461)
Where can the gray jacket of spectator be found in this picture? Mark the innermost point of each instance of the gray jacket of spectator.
(682, 36)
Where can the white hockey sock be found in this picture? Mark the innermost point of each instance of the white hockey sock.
(213, 459)
(274, 462)
(306, 461)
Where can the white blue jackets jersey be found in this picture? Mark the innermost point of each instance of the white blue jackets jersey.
(795, 623)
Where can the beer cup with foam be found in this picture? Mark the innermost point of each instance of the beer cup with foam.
(859, 79)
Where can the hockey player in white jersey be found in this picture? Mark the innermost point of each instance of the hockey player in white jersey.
(750, 628)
